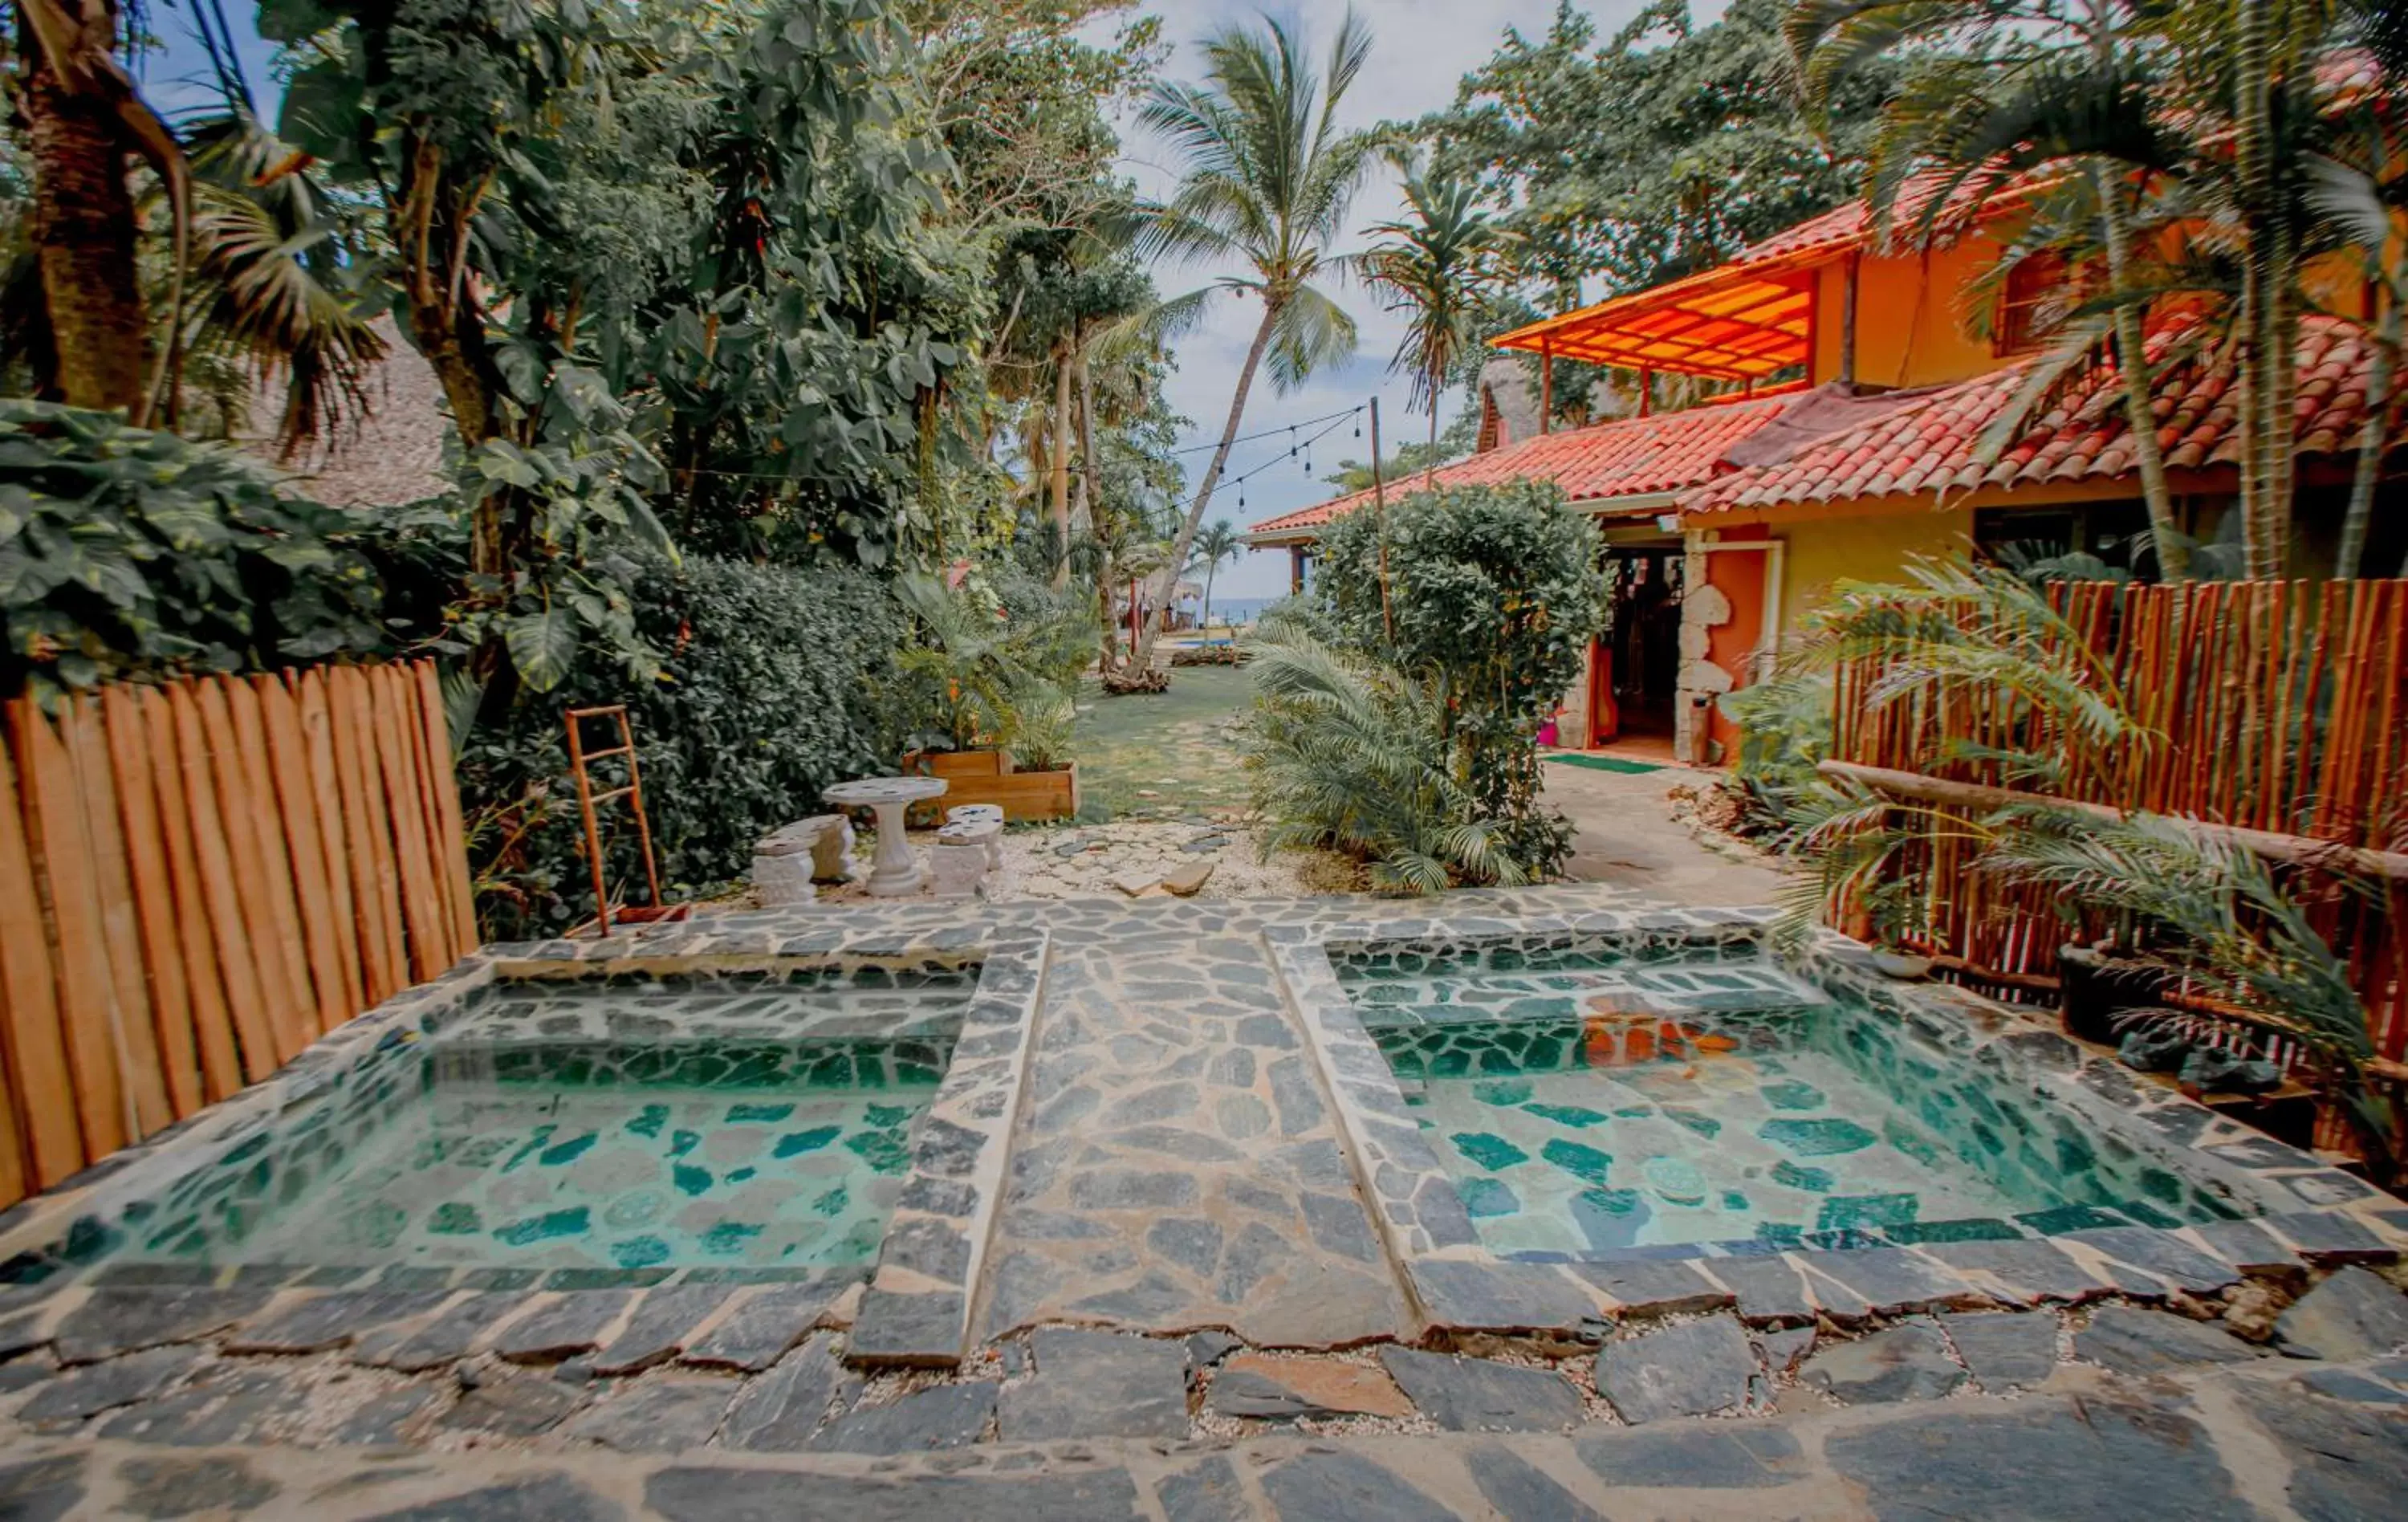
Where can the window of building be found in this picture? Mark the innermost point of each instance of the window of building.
(2033, 284)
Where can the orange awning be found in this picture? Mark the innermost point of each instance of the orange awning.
(1732, 322)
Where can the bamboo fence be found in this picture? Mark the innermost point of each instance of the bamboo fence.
(199, 879)
(2279, 706)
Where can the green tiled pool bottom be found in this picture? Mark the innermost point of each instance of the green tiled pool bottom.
(478, 1172)
(630, 1179)
(757, 1123)
(1586, 1107)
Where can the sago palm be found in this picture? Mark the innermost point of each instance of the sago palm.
(1438, 265)
(1267, 177)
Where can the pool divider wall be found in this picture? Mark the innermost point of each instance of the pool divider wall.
(932, 1253)
(1459, 1284)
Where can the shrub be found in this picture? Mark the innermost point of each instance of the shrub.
(1349, 754)
(771, 691)
(125, 552)
(1491, 596)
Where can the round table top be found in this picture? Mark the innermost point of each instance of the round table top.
(871, 791)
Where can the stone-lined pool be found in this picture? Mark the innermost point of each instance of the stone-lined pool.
(629, 1121)
(1590, 1102)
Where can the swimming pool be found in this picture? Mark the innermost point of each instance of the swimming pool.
(635, 1120)
(1592, 1103)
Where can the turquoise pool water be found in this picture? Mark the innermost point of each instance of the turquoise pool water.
(1588, 1107)
(629, 1125)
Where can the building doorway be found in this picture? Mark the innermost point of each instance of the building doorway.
(1635, 670)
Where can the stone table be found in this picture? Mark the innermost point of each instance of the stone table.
(895, 871)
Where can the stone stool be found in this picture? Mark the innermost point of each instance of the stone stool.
(782, 871)
(790, 860)
(958, 871)
(984, 821)
(832, 841)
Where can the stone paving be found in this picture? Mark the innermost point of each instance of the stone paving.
(2118, 1412)
(1187, 1310)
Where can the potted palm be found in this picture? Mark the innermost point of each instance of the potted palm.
(1897, 925)
(988, 680)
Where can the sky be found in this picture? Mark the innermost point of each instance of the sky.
(1421, 50)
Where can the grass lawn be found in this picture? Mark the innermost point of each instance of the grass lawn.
(1164, 755)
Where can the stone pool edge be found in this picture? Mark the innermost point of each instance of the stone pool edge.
(1459, 1287)
(922, 1287)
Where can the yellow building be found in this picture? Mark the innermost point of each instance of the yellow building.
(1857, 386)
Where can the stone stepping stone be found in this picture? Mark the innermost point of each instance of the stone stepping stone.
(553, 1498)
(1285, 1390)
(2005, 1349)
(664, 1414)
(663, 1319)
(778, 1412)
(1723, 1456)
(947, 1417)
(1694, 1368)
(1785, 1349)
(1479, 1394)
(2353, 1316)
(445, 1339)
(1904, 1363)
(519, 1406)
(2092, 1459)
(1345, 1485)
(67, 1400)
(758, 1331)
(1097, 1385)
(2136, 1341)
(115, 1321)
(319, 1322)
(226, 1404)
(1520, 1492)
(570, 1324)
(186, 1486)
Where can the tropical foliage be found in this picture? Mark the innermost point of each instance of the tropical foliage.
(2197, 906)
(1266, 177)
(1451, 625)
(124, 551)
(993, 665)
(2207, 173)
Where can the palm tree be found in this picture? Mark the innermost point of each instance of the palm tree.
(1438, 265)
(85, 123)
(2053, 91)
(1268, 177)
(1214, 547)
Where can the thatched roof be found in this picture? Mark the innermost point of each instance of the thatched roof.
(392, 456)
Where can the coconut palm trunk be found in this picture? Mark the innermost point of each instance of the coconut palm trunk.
(2349, 557)
(84, 228)
(1186, 543)
(2140, 391)
(1060, 463)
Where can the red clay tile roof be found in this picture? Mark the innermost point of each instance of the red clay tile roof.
(1929, 446)
(1623, 458)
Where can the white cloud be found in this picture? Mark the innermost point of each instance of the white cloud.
(1423, 49)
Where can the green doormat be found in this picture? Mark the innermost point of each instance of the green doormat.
(1607, 763)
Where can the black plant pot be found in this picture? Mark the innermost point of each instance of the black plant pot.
(2097, 989)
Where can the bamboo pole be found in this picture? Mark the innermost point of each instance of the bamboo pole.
(2389, 866)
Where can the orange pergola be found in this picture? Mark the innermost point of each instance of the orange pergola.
(1742, 323)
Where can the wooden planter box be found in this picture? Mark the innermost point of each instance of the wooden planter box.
(990, 777)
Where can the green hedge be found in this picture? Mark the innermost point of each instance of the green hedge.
(126, 553)
(775, 685)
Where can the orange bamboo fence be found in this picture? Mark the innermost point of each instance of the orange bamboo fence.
(2283, 706)
(199, 879)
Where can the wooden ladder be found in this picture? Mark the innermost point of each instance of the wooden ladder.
(588, 801)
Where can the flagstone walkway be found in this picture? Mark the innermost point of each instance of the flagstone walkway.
(1187, 1314)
